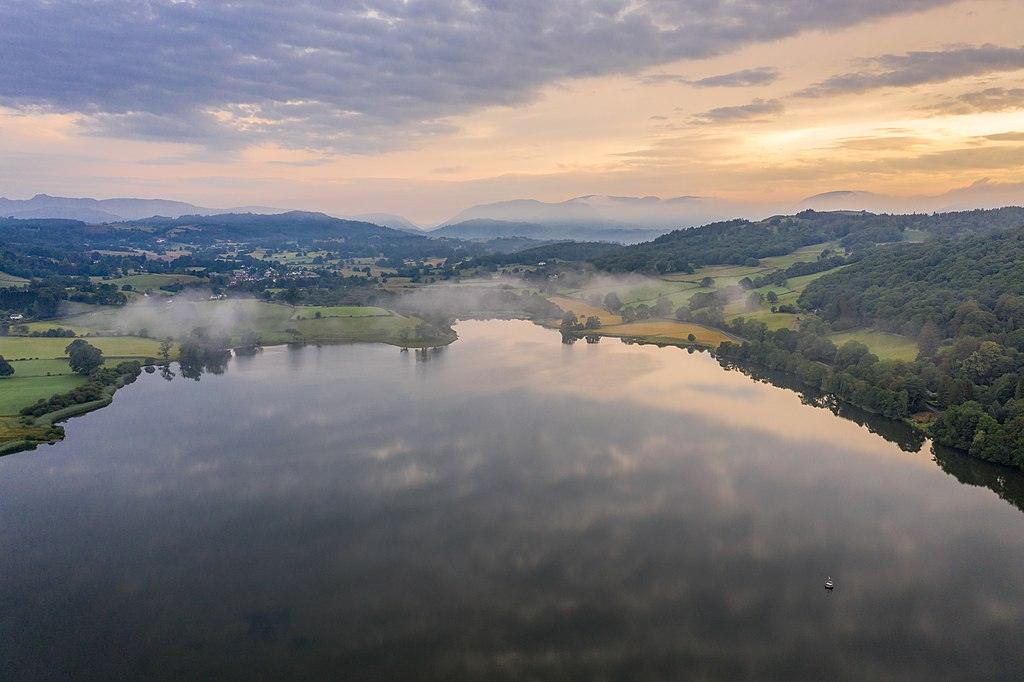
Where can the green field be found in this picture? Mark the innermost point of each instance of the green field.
(24, 347)
(395, 329)
(307, 311)
(16, 393)
(152, 281)
(771, 320)
(270, 320)
(7, 280)
(40, 368)
(883, 344)
(62, 324)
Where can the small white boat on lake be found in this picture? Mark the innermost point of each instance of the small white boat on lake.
(829, 583)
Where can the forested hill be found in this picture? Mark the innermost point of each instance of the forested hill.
(743, 242)
(961, 286)
(295, 225)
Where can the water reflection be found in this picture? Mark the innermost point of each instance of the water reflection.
(521, 509)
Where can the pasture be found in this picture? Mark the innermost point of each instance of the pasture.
(883, 344)
(152, 280)
(26, 348)
(16, 393)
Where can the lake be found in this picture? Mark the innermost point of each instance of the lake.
(508, 507)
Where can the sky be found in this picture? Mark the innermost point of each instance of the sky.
(425, 107)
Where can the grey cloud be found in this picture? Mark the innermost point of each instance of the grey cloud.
(738, 79)
(355, 75)
(762, 75)
(919, 68)
(759, 108)
(989, 99)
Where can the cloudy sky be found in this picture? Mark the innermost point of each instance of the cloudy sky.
(422, 107)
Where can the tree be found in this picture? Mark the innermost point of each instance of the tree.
(663, 306)
(593, 322)
(569, 322)
(6, 369)
(929, 340)
(612, 302)
(83, 356)
(771, 297)
(707, 282)
(249, 342)
(691, 338)
(165, 350)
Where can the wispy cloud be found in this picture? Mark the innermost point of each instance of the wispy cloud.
(979, 101)
(918, 68)
(757, 109)
(763, 75)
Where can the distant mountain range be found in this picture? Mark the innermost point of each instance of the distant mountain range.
(982, 194)
(600, 211)
(591, 218)
(487, 229)
(654, 213)
(111, 210)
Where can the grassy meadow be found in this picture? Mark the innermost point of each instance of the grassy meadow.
(883, 344)
(152, 280)
(17, 392)
(27, 348)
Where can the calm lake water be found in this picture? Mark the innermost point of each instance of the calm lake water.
(507, 508)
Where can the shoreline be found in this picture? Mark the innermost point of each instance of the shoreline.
(46, 429)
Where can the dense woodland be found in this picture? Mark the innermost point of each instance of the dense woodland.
(744, 242)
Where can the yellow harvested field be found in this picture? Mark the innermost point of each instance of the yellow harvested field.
(584, 310)
(668, 331)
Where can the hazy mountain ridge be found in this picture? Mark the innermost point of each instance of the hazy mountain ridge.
(594, 210)
(575, 218)
(486, 229)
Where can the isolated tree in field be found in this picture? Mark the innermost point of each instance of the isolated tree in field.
(165, 350)
(6, 369)
(771, 297)
(691, 338)
(83, 356)
(707, 282)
